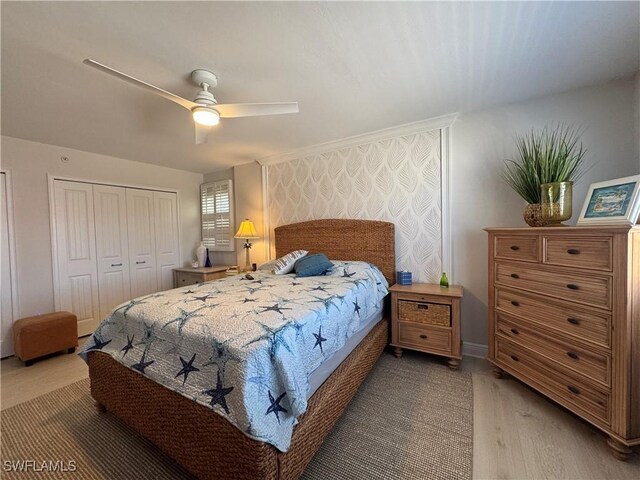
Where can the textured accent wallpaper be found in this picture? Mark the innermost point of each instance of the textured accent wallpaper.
(396, 180)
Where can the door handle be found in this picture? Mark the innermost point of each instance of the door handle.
(143, 261)
(116, 264)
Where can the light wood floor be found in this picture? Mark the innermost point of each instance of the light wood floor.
(518, 434)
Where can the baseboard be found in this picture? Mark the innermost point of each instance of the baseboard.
(474, 350)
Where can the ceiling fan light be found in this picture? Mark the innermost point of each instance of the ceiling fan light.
(205, 116)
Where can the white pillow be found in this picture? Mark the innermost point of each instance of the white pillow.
(285, 263)
(267, 266)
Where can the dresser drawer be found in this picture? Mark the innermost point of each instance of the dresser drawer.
(421, 336)
(588, 289)
(593, 364)
(591, 253)
(581, 323)
(565, 388)
(517, 247)
(424, 312)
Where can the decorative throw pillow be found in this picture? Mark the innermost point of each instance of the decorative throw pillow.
(267, 266)
(312, 265)
(285, 263)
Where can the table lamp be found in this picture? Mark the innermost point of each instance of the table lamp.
(248, 232)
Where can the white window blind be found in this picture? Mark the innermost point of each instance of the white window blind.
(218, 226)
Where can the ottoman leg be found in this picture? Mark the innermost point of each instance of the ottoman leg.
(71, 350)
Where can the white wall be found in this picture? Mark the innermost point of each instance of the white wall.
(248, 192)
(30, 162)
(482, 140)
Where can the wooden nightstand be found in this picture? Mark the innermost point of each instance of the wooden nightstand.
(426, 317)
(190, 276)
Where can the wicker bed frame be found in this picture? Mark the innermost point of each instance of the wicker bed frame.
(205, 443)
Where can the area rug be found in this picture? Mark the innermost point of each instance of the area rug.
(411, 419)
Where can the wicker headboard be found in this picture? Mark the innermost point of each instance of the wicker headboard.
(359, 240)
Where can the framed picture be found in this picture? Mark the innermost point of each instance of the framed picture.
(614, 202)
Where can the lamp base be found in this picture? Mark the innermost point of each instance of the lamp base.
(247, 267)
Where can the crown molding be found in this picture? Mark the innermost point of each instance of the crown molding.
(435, 123)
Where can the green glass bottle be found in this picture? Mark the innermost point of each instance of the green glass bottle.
(444, 281)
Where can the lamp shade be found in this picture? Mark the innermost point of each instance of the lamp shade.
(246, 230)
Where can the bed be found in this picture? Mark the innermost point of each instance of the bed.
(209, 445)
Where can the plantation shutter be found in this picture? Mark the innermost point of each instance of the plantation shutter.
(218, 224)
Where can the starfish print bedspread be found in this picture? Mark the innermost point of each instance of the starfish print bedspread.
(243, 347)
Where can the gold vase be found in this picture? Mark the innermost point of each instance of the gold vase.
(556, 206)
(533, 215)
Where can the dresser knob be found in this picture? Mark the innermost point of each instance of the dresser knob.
(515, 331)
(423, 336)
(514, 303)
(515, 275)
(573, 390)
(574, 321)
(572, 286)
(515, 247)
(514, 358)
(573, 251)
(573, 355)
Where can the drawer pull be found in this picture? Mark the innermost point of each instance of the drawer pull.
(515, 275)
(116, 264)
(573, 390)
(515, 248)
(514, 303)
(423, 336)
(573, 355)
(143, 261)
(573, 321)
(515, 331)
(572, 286)
(573, 251)
(514, 358)
(423, 306)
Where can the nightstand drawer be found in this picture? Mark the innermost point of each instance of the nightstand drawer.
(582, 323)
(517, 247)
(184, 278)
(591, 253)
(431, 338)
(424, 313)
(588, 362)
(584, 288)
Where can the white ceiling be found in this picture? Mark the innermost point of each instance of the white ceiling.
(353, 68)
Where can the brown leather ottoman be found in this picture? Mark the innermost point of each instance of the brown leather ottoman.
(41, 335)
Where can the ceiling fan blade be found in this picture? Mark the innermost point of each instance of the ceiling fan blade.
(139, 83)
(202, 133)
(234, 110)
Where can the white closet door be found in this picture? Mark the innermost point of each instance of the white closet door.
(6, 310)
(76, 253)
(166, 233)
(142, 245)
(110, 206)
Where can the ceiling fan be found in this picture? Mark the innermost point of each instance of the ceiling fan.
(205, 109)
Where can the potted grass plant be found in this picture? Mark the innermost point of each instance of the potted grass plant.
(549, 162)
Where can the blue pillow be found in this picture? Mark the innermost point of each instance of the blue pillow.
(312, 265)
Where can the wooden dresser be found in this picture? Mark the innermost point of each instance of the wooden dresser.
(426, 317)
(564, 317)
(191, 276)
